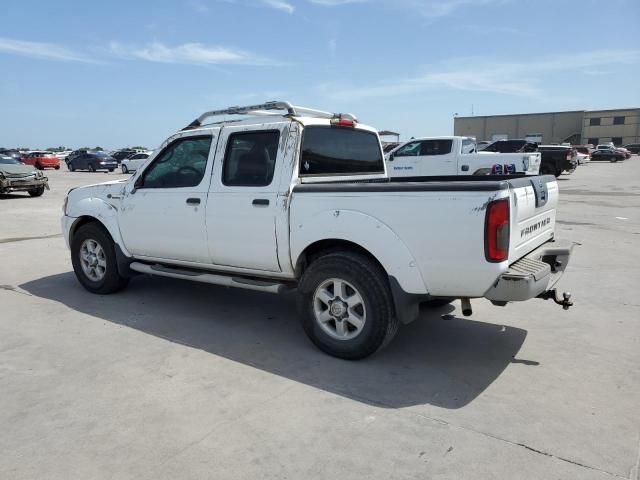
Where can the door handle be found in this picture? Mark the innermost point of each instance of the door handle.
(260, 202)
(464, 168)
(193, 201)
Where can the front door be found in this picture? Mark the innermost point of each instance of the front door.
(242, 209)
(164, 216)
(437, 157)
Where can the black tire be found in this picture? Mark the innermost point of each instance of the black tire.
(112, 281)
(557, 173)
(57, 168)
(547, 169)
(38, 166)
(92, 168)
(371, 282)
(71, 167)
(36, 192)
(613, 159)
(111, 170)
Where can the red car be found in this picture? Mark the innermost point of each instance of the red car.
(41, 160)
(627, 153)
(585, 149)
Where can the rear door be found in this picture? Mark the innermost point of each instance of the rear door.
(242, 210)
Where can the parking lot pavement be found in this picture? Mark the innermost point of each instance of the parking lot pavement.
(170, 379)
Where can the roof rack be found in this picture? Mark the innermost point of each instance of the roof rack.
(269, 108)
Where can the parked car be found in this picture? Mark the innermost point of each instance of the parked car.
(633, 148)
(12, 153)
(609, 154)
(511, 146)
(627, 153)
(123, 153)
(16, 176)
(557, 159)
(92, 161)
(301, 199)
(606, 146)
(432, 156)
(583, 153)
(135, 161)
(41, 160)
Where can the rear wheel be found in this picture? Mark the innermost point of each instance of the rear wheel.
(124, 169)
(346, 305)
(111, 170)
(38, 166)
(94, 260)
(613, 159)
(557, 173)
(57, 167)
(36, 192)
(71, 167)
(92, 168)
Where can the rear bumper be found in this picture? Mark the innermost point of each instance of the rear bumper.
(532, 275)
(17, 185)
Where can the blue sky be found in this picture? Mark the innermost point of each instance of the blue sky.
(121, 73)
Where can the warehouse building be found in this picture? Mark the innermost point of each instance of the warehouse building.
(620, 126)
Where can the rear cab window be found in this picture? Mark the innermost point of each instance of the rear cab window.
(330, 151)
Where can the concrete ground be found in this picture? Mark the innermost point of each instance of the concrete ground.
(170, 379)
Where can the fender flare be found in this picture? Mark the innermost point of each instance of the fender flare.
(367, 232)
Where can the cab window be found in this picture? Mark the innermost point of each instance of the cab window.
(409, 150)
(181, 164)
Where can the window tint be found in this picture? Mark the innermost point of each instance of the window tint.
(180, 164)
(594, 121)
(409, 150)
(618, 120)
(335, 150)
(436, 147)
(250, 159)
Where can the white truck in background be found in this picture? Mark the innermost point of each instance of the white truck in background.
(291, 198)
(449, 156)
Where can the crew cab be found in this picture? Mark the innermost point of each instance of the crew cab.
(431, 156)
(291, 198)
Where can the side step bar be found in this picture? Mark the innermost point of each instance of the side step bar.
(212, 278)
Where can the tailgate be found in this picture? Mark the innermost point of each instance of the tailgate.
(533, 213)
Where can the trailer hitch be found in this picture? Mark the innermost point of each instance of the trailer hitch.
(553, 295)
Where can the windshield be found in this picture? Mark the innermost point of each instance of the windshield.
(9, 161)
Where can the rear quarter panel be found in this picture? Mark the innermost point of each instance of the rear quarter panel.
(432, 242)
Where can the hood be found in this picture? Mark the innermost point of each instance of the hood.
(17, 169)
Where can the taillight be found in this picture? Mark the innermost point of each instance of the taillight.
(496, 231)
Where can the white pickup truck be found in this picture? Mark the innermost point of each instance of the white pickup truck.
(444, 156)
(288, 197)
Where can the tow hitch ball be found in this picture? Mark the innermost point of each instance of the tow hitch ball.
(553, 295)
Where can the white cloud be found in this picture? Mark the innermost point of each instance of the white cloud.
(279, 5)
(507, 78)
(48, 51)
(187, 53)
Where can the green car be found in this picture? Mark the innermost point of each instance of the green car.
(15, 176)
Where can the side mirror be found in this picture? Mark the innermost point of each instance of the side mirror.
(391, 156)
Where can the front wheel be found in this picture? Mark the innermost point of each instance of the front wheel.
(92, 168)
(57, 168)
(346, 305)
(71, 167)
(613, 159)
(94, 260)
(111, 170)
(124, 169)
(38, 166)
(36, 192)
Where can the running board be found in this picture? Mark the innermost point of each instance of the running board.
(204, 277)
